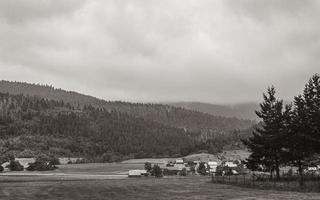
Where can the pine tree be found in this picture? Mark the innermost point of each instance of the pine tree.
(303, 140)
(266, 142)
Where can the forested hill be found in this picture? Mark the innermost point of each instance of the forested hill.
(240, 110)
(164, 114)
(31, 125)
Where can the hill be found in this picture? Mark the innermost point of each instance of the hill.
(164, 114)
(38, 118)
(241, 111)
(30, 126)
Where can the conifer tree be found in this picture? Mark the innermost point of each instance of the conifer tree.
(303, 140)
(266, 142)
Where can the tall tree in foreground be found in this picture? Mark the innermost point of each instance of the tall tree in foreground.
(303, 140)
(266, 142)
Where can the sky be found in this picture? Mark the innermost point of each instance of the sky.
(216, 51)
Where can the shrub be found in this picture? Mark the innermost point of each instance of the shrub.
(147, 166)
(202, 169)
(193, 169)
(54, 160)
(42, 163)
(156, 171)
(167, 172)
(183, 172)
(15, 166)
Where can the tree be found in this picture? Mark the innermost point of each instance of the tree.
(156, 171)
(15, 166)
(202, 169)
(303, 138)
(42, 163)
(183, 172)
(148, 166)
(266, 142)
(311, 97)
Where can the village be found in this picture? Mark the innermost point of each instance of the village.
(183, 168)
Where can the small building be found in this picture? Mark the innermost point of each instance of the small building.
(137, 173)
(230, 164)
(179, 161)
(212, 166)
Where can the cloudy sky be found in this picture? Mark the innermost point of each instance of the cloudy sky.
(150, 50)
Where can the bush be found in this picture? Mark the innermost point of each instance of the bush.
(1, 168)
(183, 172)
(193, 169)
(156, 171)
(54, 160)
(167, 172)
(202, 169)
(15, 166)
(43, 163)
(147, 166)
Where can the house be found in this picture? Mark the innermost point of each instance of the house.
(230, 164)
(179, 164)
(179, 161)
(212, 166)
(137, 173)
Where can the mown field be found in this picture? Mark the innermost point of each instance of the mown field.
(96, 181)
(138, 188)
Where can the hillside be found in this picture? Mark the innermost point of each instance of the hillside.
(241, 111)
(30, 126)
(164, 114)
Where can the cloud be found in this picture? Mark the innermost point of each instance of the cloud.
(20, 11)
(213, 51)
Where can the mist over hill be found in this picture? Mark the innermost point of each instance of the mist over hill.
(67, 123)
(165, 114)
(240, 110)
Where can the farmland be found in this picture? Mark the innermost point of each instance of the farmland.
(107, 181)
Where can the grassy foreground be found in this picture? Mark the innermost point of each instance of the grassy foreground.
(136, 188)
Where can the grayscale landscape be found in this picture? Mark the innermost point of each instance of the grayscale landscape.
(172, 99)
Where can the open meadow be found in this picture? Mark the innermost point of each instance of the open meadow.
(108, 181)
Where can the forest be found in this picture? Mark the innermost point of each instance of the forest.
(30, 125)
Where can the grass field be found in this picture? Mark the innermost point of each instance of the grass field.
(96, 181)
(138, 188)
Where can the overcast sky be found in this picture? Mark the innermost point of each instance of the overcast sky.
(214, 51)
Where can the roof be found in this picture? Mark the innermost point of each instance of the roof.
(179, 161)
(212, 163)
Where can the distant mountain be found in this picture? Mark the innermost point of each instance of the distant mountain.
(241, 110)
(40, 114)
(165, 114)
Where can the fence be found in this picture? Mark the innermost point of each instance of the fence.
(308, 183)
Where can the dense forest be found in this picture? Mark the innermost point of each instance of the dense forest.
(164, 114)
(39, 118)
(239, 110)
(31, 125)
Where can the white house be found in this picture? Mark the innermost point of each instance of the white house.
(212, 166)
(230, 164)
(137, 173)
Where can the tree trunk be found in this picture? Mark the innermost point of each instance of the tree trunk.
(278, 173)
(277, 169)
(301, 182)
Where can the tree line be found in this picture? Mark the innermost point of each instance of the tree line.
(30, 126)
(289, 134)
